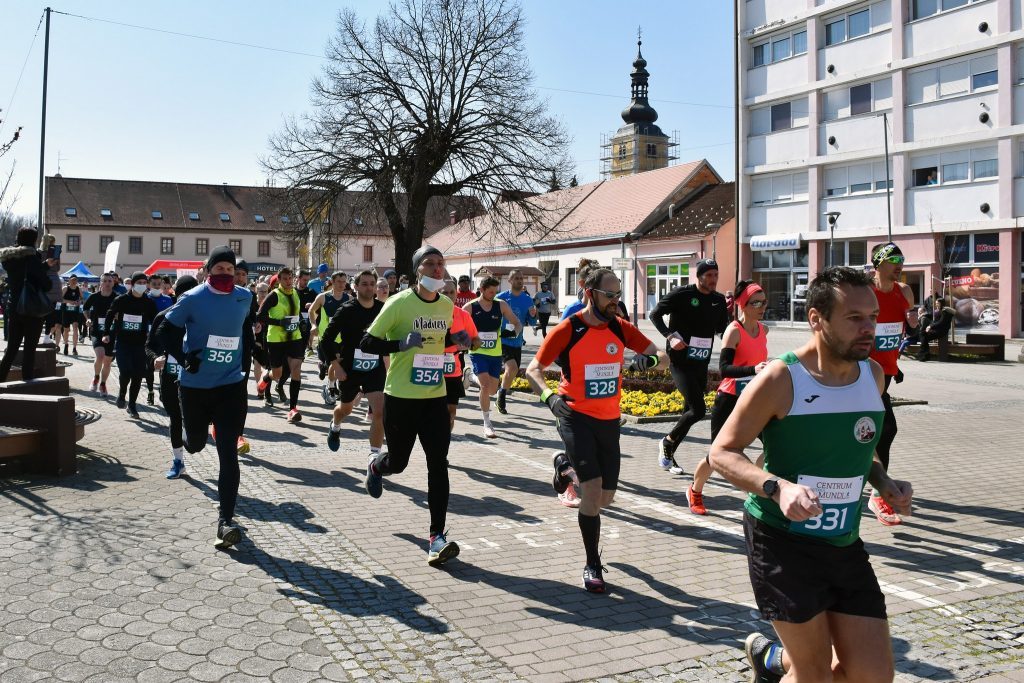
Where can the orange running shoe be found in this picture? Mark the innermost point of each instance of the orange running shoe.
(696, 501)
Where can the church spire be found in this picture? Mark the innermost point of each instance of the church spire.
(639, 110)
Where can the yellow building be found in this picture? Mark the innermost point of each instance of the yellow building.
(639, 144)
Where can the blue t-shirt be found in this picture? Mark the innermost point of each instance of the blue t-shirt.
(520, 305)
(120, 289)
(162, 301)
(213, 323)
(317, 285)
(572, 309)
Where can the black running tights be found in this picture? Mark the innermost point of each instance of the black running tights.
(225, 407)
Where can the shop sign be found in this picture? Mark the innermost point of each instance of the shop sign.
(774, 242)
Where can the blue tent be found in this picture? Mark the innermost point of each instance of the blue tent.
(81, 272)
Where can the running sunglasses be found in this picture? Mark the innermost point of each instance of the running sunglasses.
(610, 295)
(757, 304)
(895, 260)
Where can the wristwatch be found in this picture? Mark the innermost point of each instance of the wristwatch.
(770, 487)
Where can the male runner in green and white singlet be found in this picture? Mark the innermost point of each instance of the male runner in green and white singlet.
(819, 413)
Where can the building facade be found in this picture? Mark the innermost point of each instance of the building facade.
(824, 86)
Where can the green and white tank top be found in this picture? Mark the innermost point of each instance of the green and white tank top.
(826, 442)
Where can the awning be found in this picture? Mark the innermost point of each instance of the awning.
(82, 272)
(667, 257)
(774, 242)
(503, 271)
(157, 266)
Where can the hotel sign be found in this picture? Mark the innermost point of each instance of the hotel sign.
(775, 242)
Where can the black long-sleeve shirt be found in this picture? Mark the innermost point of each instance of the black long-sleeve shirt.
(133, 331)
(350, 321)
(24, 263)
(691, 313)
(96, 308)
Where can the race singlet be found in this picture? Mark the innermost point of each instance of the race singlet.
(131, 323)
(221, 350)
(838, 499)
(699, 348)
(601, 380)
(364, 362)
(887, 336)
(427, 369)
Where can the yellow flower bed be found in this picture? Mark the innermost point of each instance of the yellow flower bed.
(636, 403)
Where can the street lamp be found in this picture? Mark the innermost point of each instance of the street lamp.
(832, 217)
(713, 229)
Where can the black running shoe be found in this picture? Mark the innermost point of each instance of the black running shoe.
(333, 439)
(133, 411)
(65, 349)
(322, 367)
(150, 398)
(227, 535)
(501, 403)
(593, 578)
(374, 481)
(756, 646)
(280, 393)
(563, 471)
(121, 403)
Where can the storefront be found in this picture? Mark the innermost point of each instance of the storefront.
(663, 278)
(970, 273)
(779, 265)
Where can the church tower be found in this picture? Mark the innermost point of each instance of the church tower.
(639, 144)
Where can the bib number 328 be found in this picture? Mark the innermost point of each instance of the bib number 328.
(601, 380)
(426, 369)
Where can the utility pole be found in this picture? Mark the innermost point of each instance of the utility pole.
(888, 182)
(42, 128)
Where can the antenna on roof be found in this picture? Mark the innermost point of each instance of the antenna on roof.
(59, 159)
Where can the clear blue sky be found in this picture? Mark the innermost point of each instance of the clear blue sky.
(132, 104)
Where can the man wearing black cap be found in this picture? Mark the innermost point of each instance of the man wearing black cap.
(414, 328)
(127, 326)
(696, 313)
(210, 332)
(242, 280)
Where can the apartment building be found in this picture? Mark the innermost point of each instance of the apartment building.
(823, 86)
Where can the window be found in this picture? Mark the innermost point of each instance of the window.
(367, 254)
(858, 24)
(840, 181)
(193, 215)
(800, 43)
(157, 215)
(925, 8)
(952, 173)
(235, 246)
(622, 151)
(782, 118)
(105, 241)
(986, 168)
(777, 189)
(780, 49)
(949, 79)
(259, 218)
(166, 246)
(74, 243)
(286, 219)
(263, 248)
(293, 250)
(849, 253)
(835, 32)
(652, 149)
(760, 57)
(224, 216)
(955, 166)
(134, 245)
(202, 246)
(106, 214)
(928, 175)
(861, 22)
(860, 99)
(70, 211)
(570, 282)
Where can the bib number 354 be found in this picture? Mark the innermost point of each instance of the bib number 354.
(426, 369)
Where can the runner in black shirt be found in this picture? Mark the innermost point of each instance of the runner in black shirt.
(127, 327)
(696, 314)
(95, 309)
(356, 370)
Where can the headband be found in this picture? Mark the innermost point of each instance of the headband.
(748, 291)
(884, 252)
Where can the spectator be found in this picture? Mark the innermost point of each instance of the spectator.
(546, 304)
(24, 263)
(938, 328)
(912, 327)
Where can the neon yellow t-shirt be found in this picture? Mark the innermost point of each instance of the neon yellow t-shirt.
(418, 372)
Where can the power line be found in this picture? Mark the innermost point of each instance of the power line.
(321, 57)
(22, 72)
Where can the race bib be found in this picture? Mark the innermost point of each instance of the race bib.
(488, 340)
(131, 323)
(699, 348)
(426, 369)
(291, 323)
(305, 316)
(887, 336)
(741, 384)
(221, 350)
(57, 305)
(172, 367)
(101, 322)
(364, 362)
(510, 327)
(601, 380)
(839, 499)
(449, 363)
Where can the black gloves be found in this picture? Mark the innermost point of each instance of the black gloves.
(192, 360)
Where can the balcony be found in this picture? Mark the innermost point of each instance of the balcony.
(860, 211)
(782, 75)
(932, 120)
(851, 134)
(857, 55)
(955, 27)
(784, 146)
(777, 218)
(955, 203)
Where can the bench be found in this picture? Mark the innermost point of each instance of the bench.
(43, 386)
(40, 429)
(946, 348)
(46, 364)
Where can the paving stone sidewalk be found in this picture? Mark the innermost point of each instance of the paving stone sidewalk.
(111, 575)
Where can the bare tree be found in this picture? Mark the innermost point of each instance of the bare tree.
(434, 99)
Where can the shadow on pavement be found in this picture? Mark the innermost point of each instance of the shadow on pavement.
(289, 512)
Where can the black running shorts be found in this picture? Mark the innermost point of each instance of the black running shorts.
(280, 352)
(593, 448)
(456, 390)
(513, 353)
(108, 349)
(366, 382)
(796, 578)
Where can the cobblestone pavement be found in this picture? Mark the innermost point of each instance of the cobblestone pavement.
(111, 575)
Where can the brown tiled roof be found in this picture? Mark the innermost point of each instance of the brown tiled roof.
(712, 204)
(503, 271)
(132, 202)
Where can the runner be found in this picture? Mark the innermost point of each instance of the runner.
(127, 326)
(894, 300)
(465, 293)
(512, 340)
(306, 297)
(413, 327)
(453, 358)
(546, 305)
(744, 355)
(72, 319)
(356, 371)
(242, 280)
(696, 314)
(163, 302)
(329, 301)
(392, 278)
(260, 354)
(208, 330)
(280, 314)
(818, 413)
(96, 308)
(170, 374)
(589, 349)
(318, 284)
(383, 291)
(487, 313)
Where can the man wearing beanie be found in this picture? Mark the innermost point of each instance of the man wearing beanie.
(696, 313)
(127, 326)
(895, 298)
(414, 328)
(209, 332)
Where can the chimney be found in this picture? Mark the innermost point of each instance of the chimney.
(453, 217)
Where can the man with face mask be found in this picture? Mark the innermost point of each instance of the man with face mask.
(281, 313)
(696, 314)
(414, 327)
(210, 332)
(95, 309)
(127, 326)
(163, 302)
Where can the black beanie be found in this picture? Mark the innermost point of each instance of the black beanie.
(139, 275)
(219, 254)
(183, 284)
(422, 253)
(242, 265)
(705, 265)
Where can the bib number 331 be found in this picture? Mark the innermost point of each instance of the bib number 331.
(839, 499)
(426, 369)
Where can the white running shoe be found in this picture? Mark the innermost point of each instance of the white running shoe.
(489, 430)
(569, 499)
